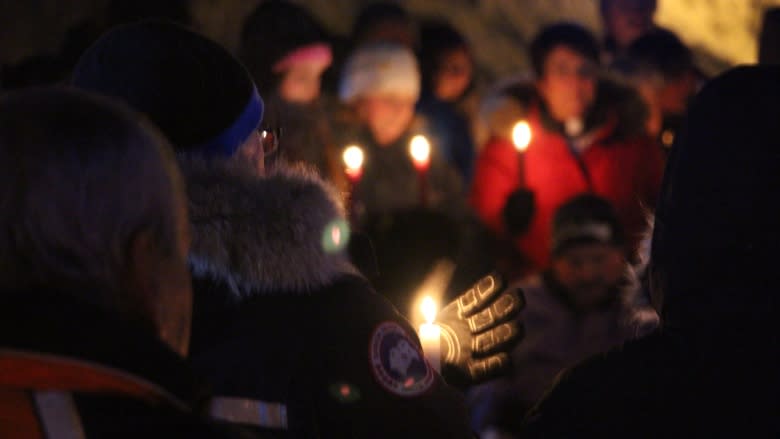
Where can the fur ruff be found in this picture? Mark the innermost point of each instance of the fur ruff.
(504, 107)
(262, 235)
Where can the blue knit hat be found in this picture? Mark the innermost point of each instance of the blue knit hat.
(199, 95)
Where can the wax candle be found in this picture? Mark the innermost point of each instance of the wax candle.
(521, 137)
(420, 150)
(430, 334)
(353, 162)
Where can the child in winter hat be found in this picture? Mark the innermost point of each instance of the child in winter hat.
(586, 219)
(285, 51)
(381, 82)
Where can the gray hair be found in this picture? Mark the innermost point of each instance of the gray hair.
(80, 176)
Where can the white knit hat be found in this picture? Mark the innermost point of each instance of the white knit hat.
(381, 68)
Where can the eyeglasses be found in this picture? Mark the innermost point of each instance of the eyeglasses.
(269, 137)
(270, 140)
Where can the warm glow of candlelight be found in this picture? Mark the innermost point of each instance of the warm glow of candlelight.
(420, 150)
(430, 333)
(521, 135)
(353, 157)
(428, 308)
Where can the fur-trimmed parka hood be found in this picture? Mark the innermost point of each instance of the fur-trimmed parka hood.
(614, 101)
(261, 235)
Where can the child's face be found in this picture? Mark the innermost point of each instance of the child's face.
(454, 75)
(387, 116)
(301, 83)
(568, 83)
(589, 272)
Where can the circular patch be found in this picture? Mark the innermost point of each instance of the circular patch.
(398, 364)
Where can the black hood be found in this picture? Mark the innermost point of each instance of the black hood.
(717, 228)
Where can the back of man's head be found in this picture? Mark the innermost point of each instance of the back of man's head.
(714, 250)
(91, 205)
(192, 88)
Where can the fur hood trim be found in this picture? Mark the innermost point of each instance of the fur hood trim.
(263, 235)
(614, 99)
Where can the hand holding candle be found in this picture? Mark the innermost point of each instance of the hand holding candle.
(430, 334)
(478, 331)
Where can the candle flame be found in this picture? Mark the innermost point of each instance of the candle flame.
(353, 157)
(521, 135)
(428, 308)
(420, 149)
(667, 138)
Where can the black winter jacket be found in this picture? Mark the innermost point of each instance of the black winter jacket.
(285, 323)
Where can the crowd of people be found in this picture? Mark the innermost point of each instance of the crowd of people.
(201, 243)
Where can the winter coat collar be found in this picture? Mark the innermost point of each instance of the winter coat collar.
(617, 114)
(260, 235)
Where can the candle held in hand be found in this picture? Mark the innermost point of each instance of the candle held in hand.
(420, 150)
(430, 334)
(353, 160)
(521, 135)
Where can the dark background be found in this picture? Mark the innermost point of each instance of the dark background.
(721, 32)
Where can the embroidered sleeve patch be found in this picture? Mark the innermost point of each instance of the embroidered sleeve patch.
(397, 363)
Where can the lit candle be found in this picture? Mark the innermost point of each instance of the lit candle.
(667, 138)
(353, 160)
(521, 137)
(420, 150)
(430, 334)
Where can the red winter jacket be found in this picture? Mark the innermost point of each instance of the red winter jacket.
(627, 173)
